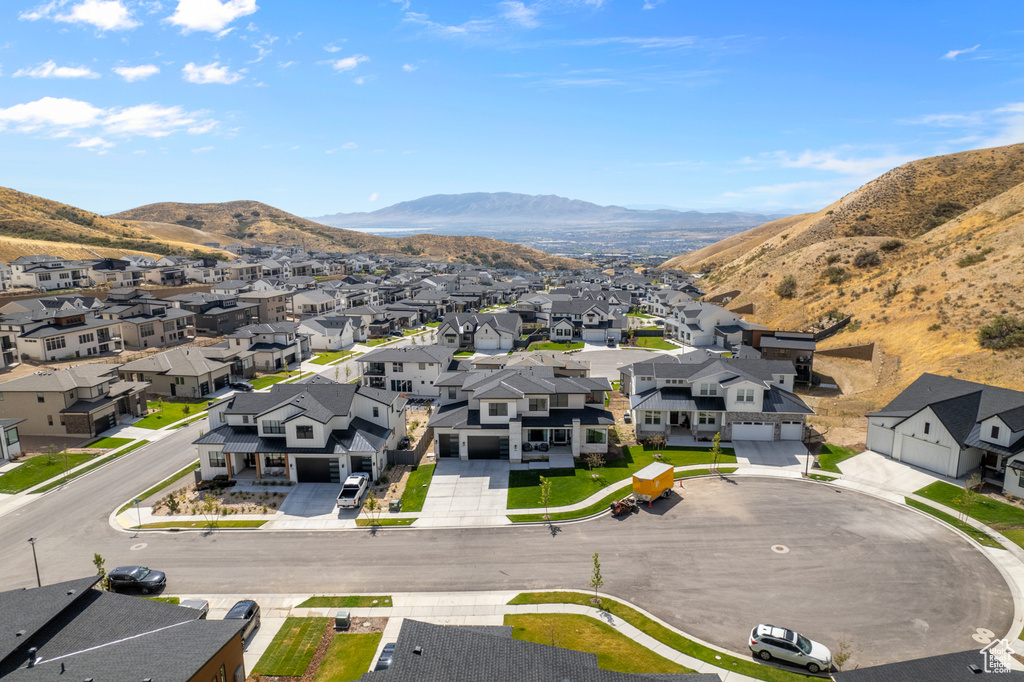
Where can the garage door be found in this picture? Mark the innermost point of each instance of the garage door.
(926, 455)
(448, 445)
(753, 431)
(313, 469)
(486, 344)
(880, 439)
(488, 447)
(792, 431)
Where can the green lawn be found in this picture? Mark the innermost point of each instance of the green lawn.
(35, 470)
(168, 413)
(348, 657)
(385, 521)
(603, 503)
(378, 342)
(86, 469)
(108, 443)
(821, 477)
(331, 356)
(614, 650)
(218, 522)
(654, 343)
(163, 484)
(569, 486)
(270, 379)
(410, 332)
(464, 354)
(666, 636)
(327, 602)
(166, 600)
(982, 538)
(554, 345)
(416, 487)
(1006, 518)
(832, 455)
(292, 647)
(433, 325)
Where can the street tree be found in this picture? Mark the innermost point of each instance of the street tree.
(596, 581)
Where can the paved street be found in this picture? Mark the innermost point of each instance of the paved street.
(899, 583)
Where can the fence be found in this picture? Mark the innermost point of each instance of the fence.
(834, 329)
(412, 457)
(532, 338)
(862, 352)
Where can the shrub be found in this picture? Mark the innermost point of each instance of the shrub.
(833, 258)
(891, 245)
(786, 288)
(1002, 333)
(834, 274)
(935, 327)
(973, 258)
(866, 259)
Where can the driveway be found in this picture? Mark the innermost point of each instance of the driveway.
(883, 472)
(312, 506)
(782, 454)
(466, 493)
(606, 363)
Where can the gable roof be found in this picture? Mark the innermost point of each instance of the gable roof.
(175, 362)
(432, 354)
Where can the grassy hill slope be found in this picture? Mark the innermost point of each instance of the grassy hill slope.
(938, 277)
(249, 221)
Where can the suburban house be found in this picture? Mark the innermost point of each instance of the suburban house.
(695, 324)
(307, 433)
(217, 314)
(796, 347)
(80, 401)
(563, 364)
(72, 630)
(954, 427)
(585, 320)
(479, 331)
(696, 395)
(49, 272)
(10, 439)
(520, 414)
(147, 321)
(333, 332)
(272, 304)
(663, 301)
(116, 272)
(312, 302)
(276, 346)
(180, 372)
(412, 370)
(62, 334)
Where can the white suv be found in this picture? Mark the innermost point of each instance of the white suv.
(351, 495)
(768, 642)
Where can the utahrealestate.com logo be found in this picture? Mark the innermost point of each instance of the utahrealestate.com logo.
(997, 656)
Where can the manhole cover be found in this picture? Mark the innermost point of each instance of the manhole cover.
(136, 548)
(780, 549)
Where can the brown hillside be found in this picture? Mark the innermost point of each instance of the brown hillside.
(27, 217)
(925, 301)
(734, 246)
(252, 221)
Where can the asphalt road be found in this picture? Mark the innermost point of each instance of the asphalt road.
(895, 583)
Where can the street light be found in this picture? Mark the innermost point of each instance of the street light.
(32, 541)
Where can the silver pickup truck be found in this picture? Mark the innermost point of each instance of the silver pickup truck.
(351, 495)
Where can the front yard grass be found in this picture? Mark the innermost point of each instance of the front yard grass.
(615, 651)
(35, 470)
(271, 379)
(432, 325)
(654, 343)
(832, 455)
(464, 354)
(384, 521)
(416, 487)
(554, 345)
(168, 413)
(328, 602)
(569, 486)
(379, 342)
(642, 316)
(292, 648)
(108, 443)
(982, 538)
(666, 636)
(349, 655)
(86, 469)
(218, 522)
(1006, 518)
(330, 356)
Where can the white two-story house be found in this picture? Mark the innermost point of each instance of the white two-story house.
(276, 345)
(412, 370)
(694, 323)
(306, 433)
(697, 395)
(585, 320)
(479, 331)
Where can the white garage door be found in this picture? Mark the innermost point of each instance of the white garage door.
(926, 455)
(753, 431)
(792, 431)
(486, 344)
(593, 335)
(880, 439)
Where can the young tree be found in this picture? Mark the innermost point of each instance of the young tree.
(373, 506)
(208, 508)
(596, 581)
(337, 371)
(843, 651)
(186, 409)
(593, 459)
(100, 563)
(968, 496)
(716, 451)
(657, 441)
(545, 494)
(348, 372)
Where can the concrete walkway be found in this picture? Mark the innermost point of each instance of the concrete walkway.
(879, 471)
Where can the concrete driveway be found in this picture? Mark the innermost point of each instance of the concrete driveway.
(882, 472)
(312, 506)
(466, 493)
(782, 454)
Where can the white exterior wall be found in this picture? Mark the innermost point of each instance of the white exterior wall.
(422, 379)
(73, 348)
(733, 405)
(320, 434)
(880, 434)
(1012, 483)
(208, 472)
(485, 417)
(913, 427)
(1004, 431)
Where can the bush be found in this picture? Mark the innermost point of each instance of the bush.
(834, 274)
(891, 245)
(833, 258)
(786, 288)
(1003, 333)
(867, 259)
(973, 258)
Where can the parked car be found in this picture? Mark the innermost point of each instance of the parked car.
(200, 605)
(386, 657)
(351, 495)
(136, 579)
(246, 610)
(240, 386)
(768, 642)
(627, 417)
(611, 343)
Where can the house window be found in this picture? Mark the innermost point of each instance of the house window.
(376, 411)
(538, 404)
(179, 380)
(1020, 478)
(86, 338)
(709, 389)
(12, 435)
(652, 417)
(596, 436)
(44, 277)
(423, 365)
(705, 418)
(245, 419)
(452, 393)
(222, 417)
(995, 432)
(146, 330)
(745, 395)
(168, 326)
(40, 398)
(535, 435)
(217, 459)
(55, 343)
(49, 420)
(274, 460)
(304, 431)
(927, 427)
(396, 366)
(560, 400)
(273, 426)
(450, 338)
(497, 409)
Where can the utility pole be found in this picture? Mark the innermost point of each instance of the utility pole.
(32, 541)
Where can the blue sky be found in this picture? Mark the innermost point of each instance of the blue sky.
(353, 105)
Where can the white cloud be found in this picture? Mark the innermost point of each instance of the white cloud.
(93, 143)
(651, 4)
(59, 115)
(202, 150)
(349, 145)
(285, 65)
(348, 63)
(373, 197)
(209, 15)
(409, 68)
(210, 73)
(953, 54)
(51, 70)
(982, 129)
(833, 162)
(262, 47)
(362, 80)
(333, 48)
(136, 73)
(472, 27)
(153, 120)
(106, 15)
(519, 13)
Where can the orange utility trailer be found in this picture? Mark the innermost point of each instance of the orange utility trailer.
(653, 481)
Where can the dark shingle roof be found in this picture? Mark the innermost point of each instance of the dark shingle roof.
(943, 668)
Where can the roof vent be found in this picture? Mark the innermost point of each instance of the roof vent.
(19, 633)
(418, 651)
(975, 668)
(32, 656)
(70, 592)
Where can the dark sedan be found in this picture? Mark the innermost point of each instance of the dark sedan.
(136, 579)
(246, 610)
